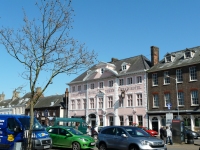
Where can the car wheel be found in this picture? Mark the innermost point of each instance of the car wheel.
(95, 137)
(76, 146)
(102, 146)
(133, 147)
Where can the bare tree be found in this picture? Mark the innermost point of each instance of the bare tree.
(43, 45)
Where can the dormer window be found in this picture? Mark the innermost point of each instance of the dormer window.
(124, 67)
(169, 57)
(189, 54)
(102, 70)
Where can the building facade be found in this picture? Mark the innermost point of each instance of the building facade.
(173, 88)
(113, 93)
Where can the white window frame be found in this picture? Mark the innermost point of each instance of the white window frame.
(139, 99)
(110, 102)
(92, 86)
(140, 120)
(155, 100)
(121, 119)
(129, 80)
(85, 87)
(91, 103)
(79, 87)
(180, 98)
(194, 97)
(130, 100)
(167, 98)
(100, 102)
(110, 83)
(84, 104)
(166, 77)
(73, 88)
(193, 73)
(121, 81)
(139, 79)
(154, 79)
(101, 85)
(179, 75)
(73, 104)
(78, 104)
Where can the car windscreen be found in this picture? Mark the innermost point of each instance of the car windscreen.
(26, 124)
(74, 131)
(136, 132)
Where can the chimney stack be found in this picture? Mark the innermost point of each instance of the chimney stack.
(2, 96)
(154, 55)
(114, 60)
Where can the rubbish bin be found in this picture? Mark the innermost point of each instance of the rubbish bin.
(190, 138)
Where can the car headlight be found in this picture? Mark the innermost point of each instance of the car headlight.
(144, 142)
(84, 140)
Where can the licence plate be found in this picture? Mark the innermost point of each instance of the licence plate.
(92, 143)
(48, 146)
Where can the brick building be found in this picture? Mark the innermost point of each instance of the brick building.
(173, 87)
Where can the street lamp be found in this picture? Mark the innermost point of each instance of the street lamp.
(176, 93)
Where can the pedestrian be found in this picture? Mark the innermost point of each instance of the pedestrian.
(76, 126)
(89, 131)
(161, 132)
(164, 134)
(169, 136)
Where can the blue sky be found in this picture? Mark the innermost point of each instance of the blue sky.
(113, 28)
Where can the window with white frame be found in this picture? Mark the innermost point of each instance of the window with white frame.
(193, 73)
(84, 104)
(130, 100)
(121, 118)
(101, 120)
(73, 104)
(121, 101)
(166, 77)
(91, 103)
(194, 97)
(155, 100)
(78, 104)
(140, 120)
(188, 54)
(129, 80)
(121, 81)
(130, 120)
(110, 102)
(139, 99)
(92, 86)
(168, 58)
(102, 70)
(101, 102)
(111, 120)
(155, 79)
(179, 75)
(100, 85)
(180, 98)
(85, 87)
(110, 83)
(79, 88)
(124, 67)
(73, 89)
(139, 79)
(167, 99)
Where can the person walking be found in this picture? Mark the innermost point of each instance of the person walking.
(164, 134)
(89, 131)
(169, 136)
(161, 132)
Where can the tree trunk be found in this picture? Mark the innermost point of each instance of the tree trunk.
(29, 146)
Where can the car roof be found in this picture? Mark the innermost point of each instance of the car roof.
(59, 126)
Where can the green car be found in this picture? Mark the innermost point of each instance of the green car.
(69, 137)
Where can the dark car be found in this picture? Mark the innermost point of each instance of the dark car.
(127, 138)
(189, 131)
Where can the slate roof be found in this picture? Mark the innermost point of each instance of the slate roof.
(179, 60)
(5, 103)
(138, 63)
(46, 101)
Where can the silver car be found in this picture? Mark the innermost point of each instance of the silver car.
(128, 138)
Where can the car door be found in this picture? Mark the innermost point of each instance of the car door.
(53, 132)
(119, 141)
(109, 135)
(65, 138)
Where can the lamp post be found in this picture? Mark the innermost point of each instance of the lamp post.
(176, 93)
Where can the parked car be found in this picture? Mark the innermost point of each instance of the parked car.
(69, 137)
(195, 134)
(151, 132)
(127, 138)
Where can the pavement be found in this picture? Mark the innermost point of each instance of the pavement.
(184, 146)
